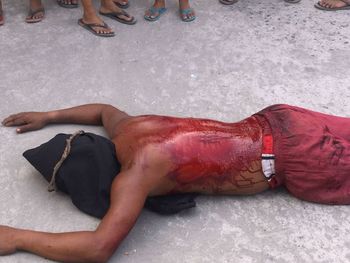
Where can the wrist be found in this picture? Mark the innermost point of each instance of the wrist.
(16, 239)
(50, 117)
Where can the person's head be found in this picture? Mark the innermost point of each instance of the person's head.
(86, 165)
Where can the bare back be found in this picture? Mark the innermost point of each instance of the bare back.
(194, 155)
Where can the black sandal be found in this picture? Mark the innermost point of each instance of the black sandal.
(116, 16)
(90, 27)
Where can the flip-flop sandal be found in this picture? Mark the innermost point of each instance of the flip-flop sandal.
(62, 4)
(116, 16)
(319, 6)
(228, 2)
(184, 12)
(123, 6)
(90, 28)
(292, 1)
(30, 17)
(155, 13)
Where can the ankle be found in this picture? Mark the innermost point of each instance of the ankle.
(35, 4)
(108, 4)
(91, 18)
(89, 13)
(159, 3)
(184, 4)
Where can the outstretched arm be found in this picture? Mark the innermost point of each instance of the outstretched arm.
(90, 114)
(128, 194)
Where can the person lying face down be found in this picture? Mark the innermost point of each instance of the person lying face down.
(306, 151)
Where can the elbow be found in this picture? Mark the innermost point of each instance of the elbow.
(103, 250)
(101, 257)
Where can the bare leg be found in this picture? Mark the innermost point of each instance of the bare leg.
(36, 11)
(1, 15)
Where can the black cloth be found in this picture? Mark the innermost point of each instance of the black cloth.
(87, 174)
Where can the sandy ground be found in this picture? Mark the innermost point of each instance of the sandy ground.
(228, 64)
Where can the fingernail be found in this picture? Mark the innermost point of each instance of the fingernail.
(18, 130)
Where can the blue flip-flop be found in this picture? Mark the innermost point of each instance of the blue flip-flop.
(187, 11)
(155, 13)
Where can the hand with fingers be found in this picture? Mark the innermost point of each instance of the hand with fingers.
(26, 121)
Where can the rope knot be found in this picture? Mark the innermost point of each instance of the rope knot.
(52, 184)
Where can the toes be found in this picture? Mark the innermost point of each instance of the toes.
(102, 31)
(150, 15)
(126, 18)
(331, 3)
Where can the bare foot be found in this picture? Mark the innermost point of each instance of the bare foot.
(332, 4)
(101, 30)
(36, 12)
(97, 25)
(155, 11)
(68, 3)
(108, 7)
(186, 12)
(122, 3)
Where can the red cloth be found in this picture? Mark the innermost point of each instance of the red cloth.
(312, 152)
